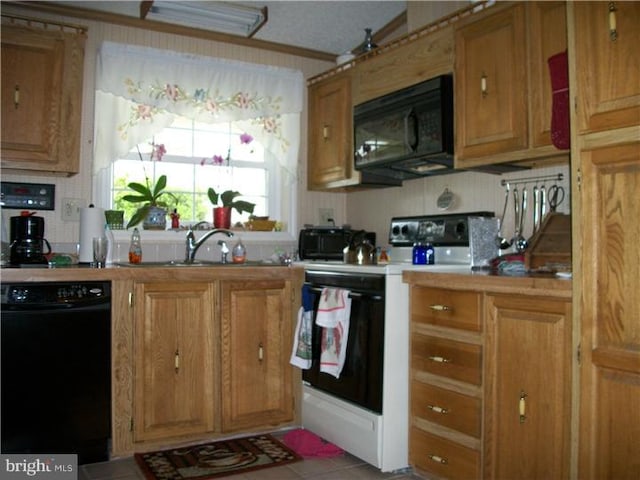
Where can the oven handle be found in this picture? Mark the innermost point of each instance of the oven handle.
(351, 294)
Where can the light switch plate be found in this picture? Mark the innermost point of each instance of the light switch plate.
(326, 216)
(71, 209)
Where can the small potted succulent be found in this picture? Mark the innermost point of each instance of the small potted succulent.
(223, 204)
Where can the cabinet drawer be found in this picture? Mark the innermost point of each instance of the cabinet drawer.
(442, 457)
(445, 407)
(457, 360)
(446, 308)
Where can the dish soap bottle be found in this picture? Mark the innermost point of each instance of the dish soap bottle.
(135, 250)
(239, 253)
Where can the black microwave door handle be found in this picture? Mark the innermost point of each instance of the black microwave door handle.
(411, 130)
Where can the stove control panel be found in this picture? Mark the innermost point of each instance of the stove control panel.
(439, 230)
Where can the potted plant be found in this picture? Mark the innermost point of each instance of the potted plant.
(153, 211)
(223, 204)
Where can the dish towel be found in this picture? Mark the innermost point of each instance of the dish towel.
(301, 353)
(334, 310)
(560, 126)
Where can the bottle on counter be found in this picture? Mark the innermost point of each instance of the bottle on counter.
(239, 252)
(419, 254)
(431, 254)
(135, 250)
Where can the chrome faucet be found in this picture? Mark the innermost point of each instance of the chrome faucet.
(193, 245)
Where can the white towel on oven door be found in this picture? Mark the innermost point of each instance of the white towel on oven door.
(334, 310)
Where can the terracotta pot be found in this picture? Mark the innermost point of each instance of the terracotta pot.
(222, 217)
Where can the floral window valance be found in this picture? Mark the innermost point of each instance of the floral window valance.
(140, 90)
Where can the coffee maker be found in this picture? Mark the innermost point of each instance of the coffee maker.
(27, 240)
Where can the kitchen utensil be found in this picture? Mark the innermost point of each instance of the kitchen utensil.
(543, 202)
(521, 242)
(536, 211)
(501, 241)
(556, 197)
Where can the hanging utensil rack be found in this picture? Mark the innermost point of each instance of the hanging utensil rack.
(520, 181)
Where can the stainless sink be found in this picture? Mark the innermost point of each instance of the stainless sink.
(196, 263)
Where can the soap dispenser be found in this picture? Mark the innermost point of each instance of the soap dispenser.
(135, 250)
(239, 252)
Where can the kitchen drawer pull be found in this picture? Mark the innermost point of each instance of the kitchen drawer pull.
(16, 96)
(176, 361)
(437, 409)
(440, 308)
(613, 27)
(437, 359)
(325, 132)
(260, 352)
(438, 459)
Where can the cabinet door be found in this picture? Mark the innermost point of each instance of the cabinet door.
(609, 440)
(256, 344)
(31, 91)
(330, 131)
(527, 388)
(491, 85)
(547, 37)
(173, 372)
(608, 65)
(42, 77)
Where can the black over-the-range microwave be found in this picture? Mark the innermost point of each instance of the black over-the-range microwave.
(408, 133)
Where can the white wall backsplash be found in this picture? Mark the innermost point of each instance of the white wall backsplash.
(373, 209)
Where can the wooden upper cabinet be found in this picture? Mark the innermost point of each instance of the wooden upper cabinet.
(608, 64)
(491, 85)
(330, 132)
(42, 76)
(502, 83)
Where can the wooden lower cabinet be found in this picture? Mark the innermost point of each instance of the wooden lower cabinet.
(527, 414)
(174, 354)
(256, 340)
(491, 383)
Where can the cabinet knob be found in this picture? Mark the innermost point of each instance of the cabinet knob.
(260, 352)
(440, 308)
(613, 27)
(16, 96)
(437, 409)
(438, 459)
(483, 85)
(522, 406)
(325, 132)
(176, 361)
(438, 359)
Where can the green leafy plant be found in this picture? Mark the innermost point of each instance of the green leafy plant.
(228, 199)
(147, 194)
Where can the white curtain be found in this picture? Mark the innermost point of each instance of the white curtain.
(139, 91)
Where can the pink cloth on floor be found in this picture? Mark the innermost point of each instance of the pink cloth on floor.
(309, 445)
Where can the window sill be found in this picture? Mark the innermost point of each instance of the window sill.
(176, 236)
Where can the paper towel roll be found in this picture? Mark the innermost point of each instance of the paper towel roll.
(92, 222)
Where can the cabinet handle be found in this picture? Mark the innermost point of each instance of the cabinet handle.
(260, 352)
(176, 361)
(613, 27)
(439, 359)
(16, 96)
(440, 308)
(325, 132)
(436, 409)
(522, 406)
(438, 459)
(483, 85)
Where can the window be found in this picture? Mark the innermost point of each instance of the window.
(199, 156)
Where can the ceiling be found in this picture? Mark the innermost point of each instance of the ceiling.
(333, 27)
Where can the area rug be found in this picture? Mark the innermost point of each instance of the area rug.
(217, 459)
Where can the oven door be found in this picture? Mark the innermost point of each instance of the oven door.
(361, 378)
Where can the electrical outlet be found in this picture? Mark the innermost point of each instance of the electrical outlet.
(71, 209)
(326, 216)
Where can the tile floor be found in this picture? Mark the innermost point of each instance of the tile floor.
(346, 467)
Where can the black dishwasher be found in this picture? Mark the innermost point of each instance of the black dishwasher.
(56, 369)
